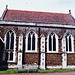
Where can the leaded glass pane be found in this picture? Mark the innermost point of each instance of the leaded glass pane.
(66, 44)
(70, 45)
(11, 56)
(54, 43)
(7, 41)
(50, 45)
(12, 41)
(29, 42)
(33, 42)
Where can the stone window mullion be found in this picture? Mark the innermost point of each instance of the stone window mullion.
(71, 43)
(52, 41)
(35, 43)
(8, 56)
(68, 43)
(9, 41)
(31, 42)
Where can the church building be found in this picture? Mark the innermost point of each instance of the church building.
(32, 37)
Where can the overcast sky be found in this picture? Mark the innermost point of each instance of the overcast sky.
(58, 6)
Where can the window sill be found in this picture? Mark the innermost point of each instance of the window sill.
(11, 61)
(70, 52)
(52, 52)
(31, 51)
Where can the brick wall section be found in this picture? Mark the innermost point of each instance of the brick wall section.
(70, 59)
(74, 45)
(31, 58)
(53, 59)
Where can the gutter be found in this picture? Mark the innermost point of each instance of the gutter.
(31, 24)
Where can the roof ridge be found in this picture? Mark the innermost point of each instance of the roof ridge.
(38, 11)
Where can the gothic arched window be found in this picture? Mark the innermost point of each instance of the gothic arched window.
(52, 43)
(31, 41)
(9, 45)
(69, 42)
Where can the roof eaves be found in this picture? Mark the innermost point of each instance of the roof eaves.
(37, 22)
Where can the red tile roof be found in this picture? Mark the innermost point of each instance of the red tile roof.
(38, 16)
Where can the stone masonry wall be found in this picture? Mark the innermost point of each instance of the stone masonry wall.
(31, 58)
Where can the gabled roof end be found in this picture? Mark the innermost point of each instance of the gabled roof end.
(4, 13)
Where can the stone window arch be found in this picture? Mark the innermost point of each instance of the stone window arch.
(10, 44)
(52, 42)
(31, 41)
(69, 42)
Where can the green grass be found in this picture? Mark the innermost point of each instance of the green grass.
(8, 71)
(34, 71)
(56, 70)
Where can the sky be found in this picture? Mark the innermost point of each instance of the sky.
(56, 6)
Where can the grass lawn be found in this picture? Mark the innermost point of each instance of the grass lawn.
(8, 71)
(34, 71)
